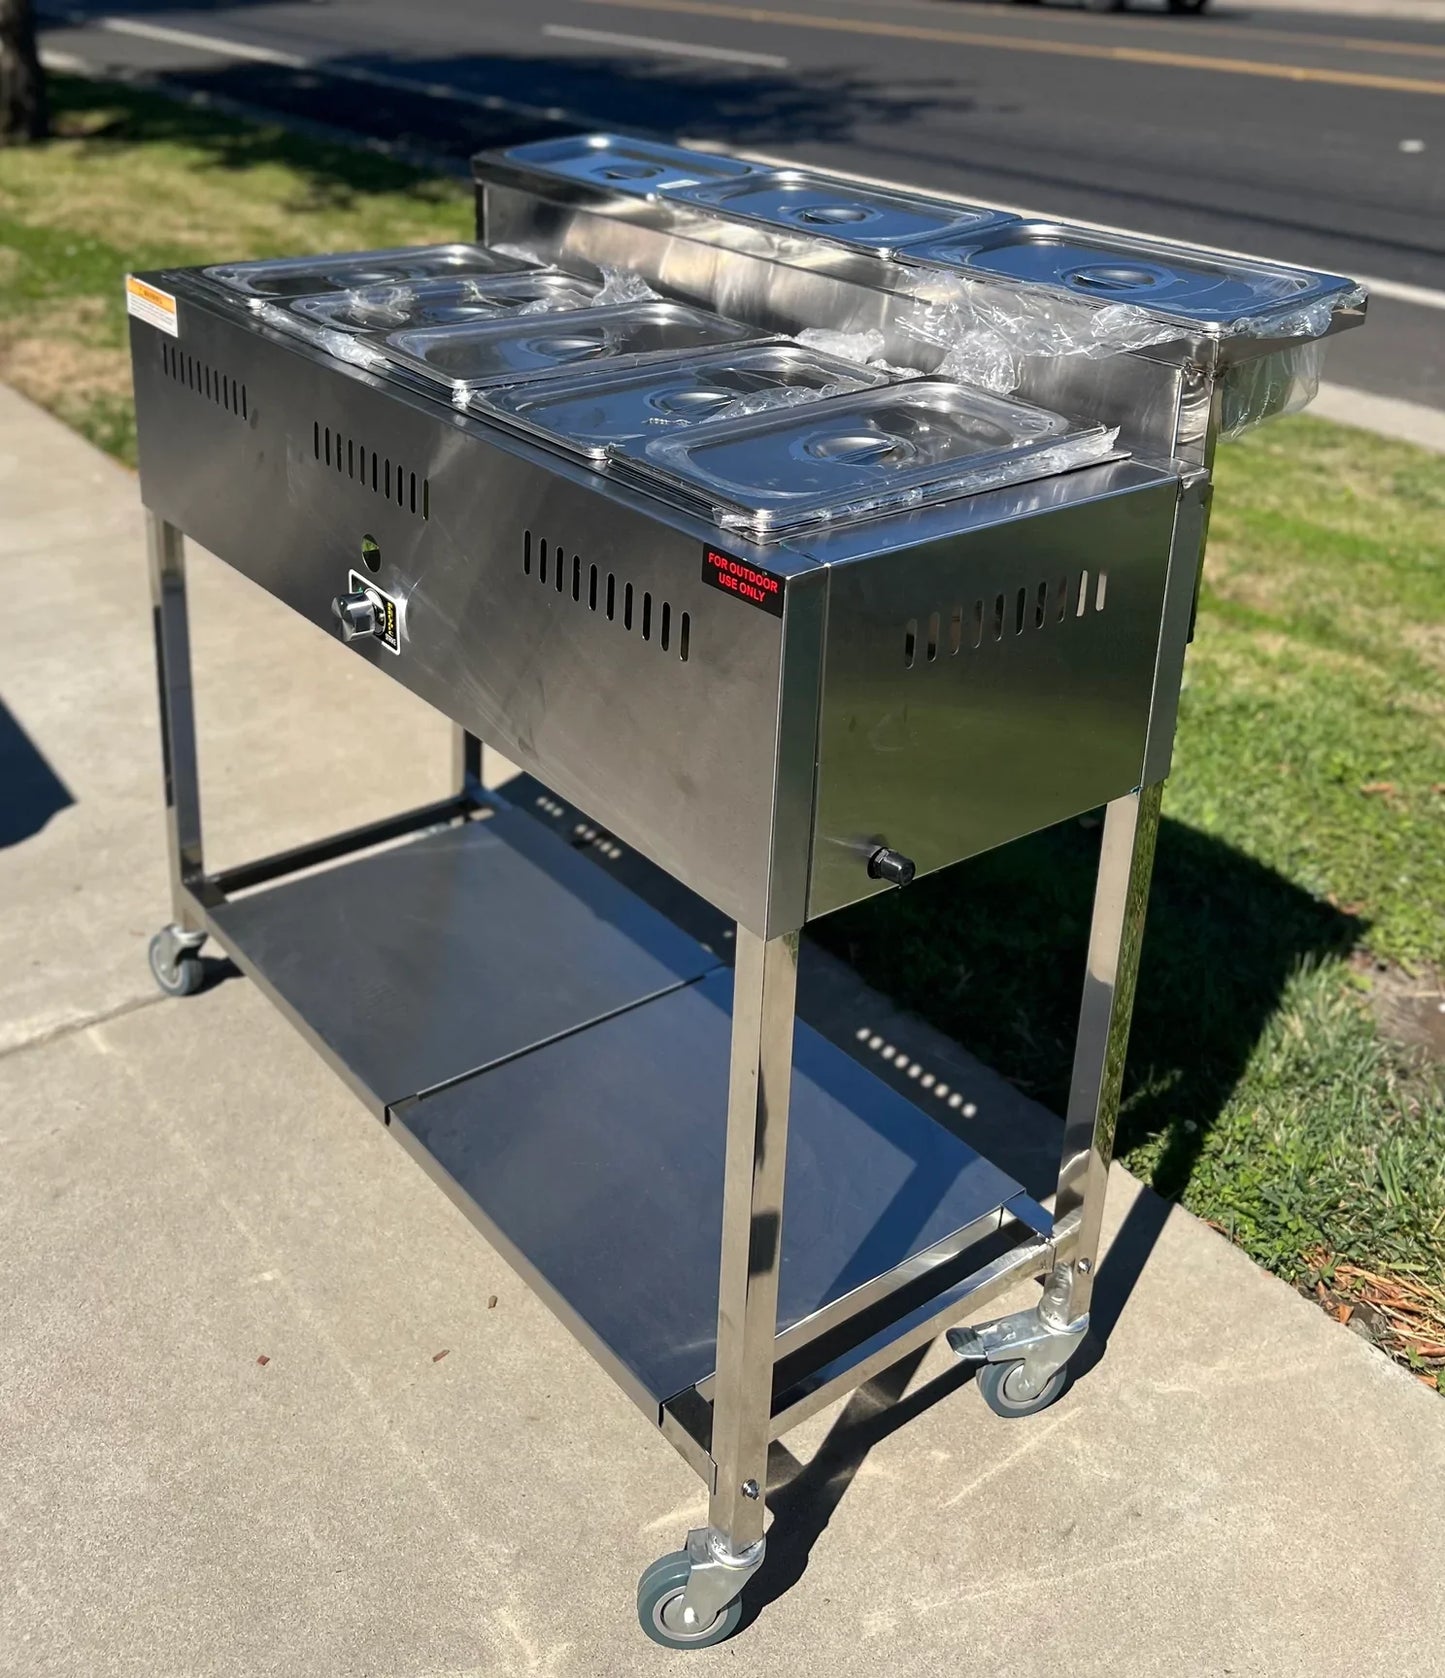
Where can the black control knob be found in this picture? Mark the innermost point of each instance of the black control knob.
(892, 866)
(357, 614)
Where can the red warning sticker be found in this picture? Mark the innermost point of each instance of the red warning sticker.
(746, 582)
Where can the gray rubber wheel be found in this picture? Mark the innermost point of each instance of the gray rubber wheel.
(993, 1383)
(184, 977)
(662, 1584)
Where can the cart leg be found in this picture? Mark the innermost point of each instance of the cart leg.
(1026, 1354)
(466, 763)
(691, 1599)
(174, 950)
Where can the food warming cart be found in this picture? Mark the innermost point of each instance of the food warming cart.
(807, 538)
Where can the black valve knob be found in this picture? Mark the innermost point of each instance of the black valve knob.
(892, 866)
(357, 615)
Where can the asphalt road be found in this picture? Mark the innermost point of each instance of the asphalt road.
(1316, 138)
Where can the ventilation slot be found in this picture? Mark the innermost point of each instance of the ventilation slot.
(389, 479)
(999, 617)
(204, 380)
(636, 611)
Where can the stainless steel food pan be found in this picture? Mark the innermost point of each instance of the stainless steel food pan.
(474, 356)
(300, 276)
(594, 414)
(407, 305)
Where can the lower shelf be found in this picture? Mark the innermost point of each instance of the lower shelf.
(555, 1053)
(596, 1164)
(412, 966)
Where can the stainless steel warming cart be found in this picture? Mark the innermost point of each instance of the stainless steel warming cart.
(807, 539)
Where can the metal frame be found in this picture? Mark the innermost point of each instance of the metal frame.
(725, 1432)
(765, 1383)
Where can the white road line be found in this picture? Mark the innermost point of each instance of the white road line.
(188, 38)
(222, 46)
(1421, 296)
(672, 49)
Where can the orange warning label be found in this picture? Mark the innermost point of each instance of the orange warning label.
(152, 305)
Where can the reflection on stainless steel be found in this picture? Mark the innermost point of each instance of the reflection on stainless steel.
(443, 302)
(300, 276)
(167, 563)
(739, 1220)
(489, 353)
(615, 163)
(1195, 288)
(595, 414)
(852, 216)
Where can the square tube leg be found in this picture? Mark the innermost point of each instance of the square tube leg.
(466, 763)
(759, 1088)
(1030, 1349)
(1126, 863)
(721, 1557)
(166, 551)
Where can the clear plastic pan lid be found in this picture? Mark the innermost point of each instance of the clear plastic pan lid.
(836, 210)
(613, 162)
(534, 346)
(872, 452)
(300, 276)
(1212, 292)
(593, 414)
(446, 302)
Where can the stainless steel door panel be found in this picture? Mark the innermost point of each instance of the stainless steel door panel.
(325, 456)
(1040, 713)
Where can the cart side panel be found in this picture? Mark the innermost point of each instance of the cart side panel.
(982, 686)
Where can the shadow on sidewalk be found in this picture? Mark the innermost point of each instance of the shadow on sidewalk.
(33, 792)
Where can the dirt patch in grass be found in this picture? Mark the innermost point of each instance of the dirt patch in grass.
(1410, 1007)
(55, 357)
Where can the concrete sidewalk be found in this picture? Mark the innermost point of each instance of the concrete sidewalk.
(1238, 1486)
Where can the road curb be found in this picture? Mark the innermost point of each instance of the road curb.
(1386, 416)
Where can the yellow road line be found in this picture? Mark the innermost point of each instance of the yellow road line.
(1093, 20)
(1012, 43)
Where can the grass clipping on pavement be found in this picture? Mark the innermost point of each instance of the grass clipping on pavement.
(1300, 883)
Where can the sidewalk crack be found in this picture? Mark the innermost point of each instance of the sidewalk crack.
(69, 1028)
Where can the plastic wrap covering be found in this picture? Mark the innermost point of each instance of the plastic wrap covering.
(785, 396)
(860, 347)
(620, 285)
(1310, 322)
(342, 345)
(985, 332)
(1282, 383)
(847, 346)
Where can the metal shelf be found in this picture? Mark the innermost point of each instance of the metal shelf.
(596, 1164)
(555, 1053)
(417, 965)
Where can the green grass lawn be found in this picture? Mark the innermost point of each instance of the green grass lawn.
(1301, 867)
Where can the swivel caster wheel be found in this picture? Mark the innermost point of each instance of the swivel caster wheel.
(660, 1610)
(176, 966)
(999, 1383)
